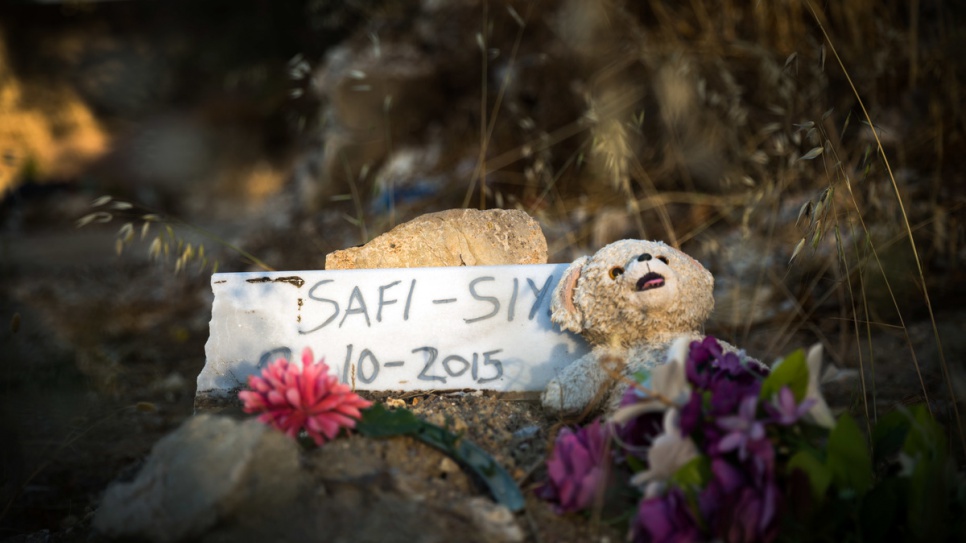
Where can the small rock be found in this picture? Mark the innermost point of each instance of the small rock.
(456, 237)
(209, 469)
(494, 522)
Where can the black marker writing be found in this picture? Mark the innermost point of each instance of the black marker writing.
(491, 299)
(488, 361)
(335, 306)
(273, 355)
(356, 295)
(513, 300)
(382, 300)
(423, 375)
(409, 300)
(540, 294)
(366, 353)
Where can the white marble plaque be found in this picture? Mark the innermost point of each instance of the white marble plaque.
(485, 327)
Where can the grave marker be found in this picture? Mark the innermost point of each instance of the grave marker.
(477, 327)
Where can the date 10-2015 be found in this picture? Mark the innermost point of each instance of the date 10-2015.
(367, 366)
(436, 367)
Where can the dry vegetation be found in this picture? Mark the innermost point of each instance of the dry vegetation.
(812, 155)
(808, 152)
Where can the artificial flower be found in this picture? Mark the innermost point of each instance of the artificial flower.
(784, 410)
(577, 467)
(669, 380)
(819, 413)
(293, 398)
(666, 518)
(742, 429)
(666, 455)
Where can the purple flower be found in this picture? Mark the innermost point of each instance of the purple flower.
(750, 515)
(740, 506)
(726, 479)
(742, 429)
(729, 363)
(691, 414)
(577, 468)
(699, 360)
(637, 434)
(666, 518)
(784, 410)
(727, 394)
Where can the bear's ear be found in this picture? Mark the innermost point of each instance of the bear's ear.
(563, 311)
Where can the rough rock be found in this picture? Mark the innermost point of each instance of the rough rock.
(209, 469)
(456, 237)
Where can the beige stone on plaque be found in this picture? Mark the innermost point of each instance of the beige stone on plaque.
(456, 237)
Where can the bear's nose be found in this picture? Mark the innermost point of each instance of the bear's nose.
(644, 257)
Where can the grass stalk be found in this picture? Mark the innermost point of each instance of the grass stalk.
(905, 220)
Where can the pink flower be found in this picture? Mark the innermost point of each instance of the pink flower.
(292, 397)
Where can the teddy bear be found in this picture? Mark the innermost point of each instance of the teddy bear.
(630, 301)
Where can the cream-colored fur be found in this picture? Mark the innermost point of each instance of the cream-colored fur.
(629, 326)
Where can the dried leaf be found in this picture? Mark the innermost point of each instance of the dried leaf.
(154, 251)
(120, 206)
(814, 152)
(817, 236)
(516, 16)
(100, 201)
(126, 232)
(770, 128)
(119, 246)
(839, 245)
(798, 249)
(144, 230)
(805, 212)
(98, 217)
(146, 407)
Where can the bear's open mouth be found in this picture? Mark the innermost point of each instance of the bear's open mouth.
(649, 281)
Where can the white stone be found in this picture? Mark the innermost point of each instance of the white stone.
(482, 327)
(209, 470)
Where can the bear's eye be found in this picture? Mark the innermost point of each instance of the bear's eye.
(663, 259)
(615, 271)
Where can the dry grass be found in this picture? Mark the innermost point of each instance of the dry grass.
(746, 113)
